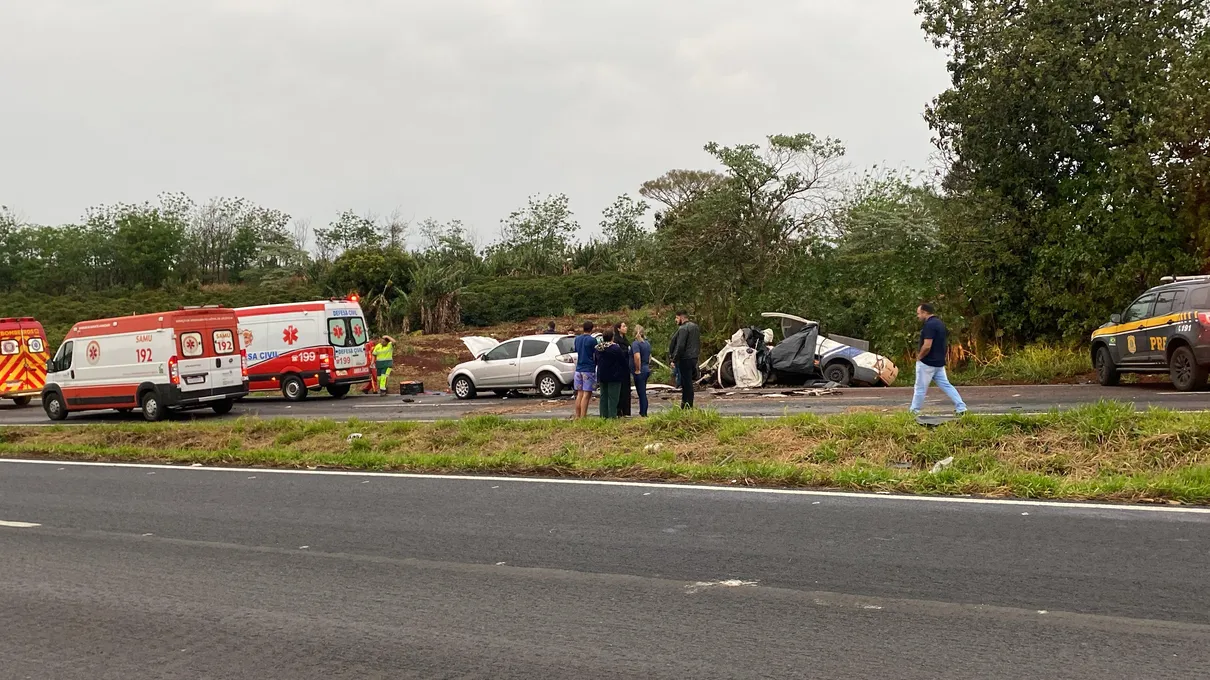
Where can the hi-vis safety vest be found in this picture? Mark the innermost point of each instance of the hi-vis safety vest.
(384, 352)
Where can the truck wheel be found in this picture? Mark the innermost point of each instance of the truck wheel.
(838, 373)
(54, 407)
(153, 411)
(1186, 374)
(223, 407)
(464, 388)
(338, 391)
(22, 401)
(549, 385)
(1107, 373)
(293, 388)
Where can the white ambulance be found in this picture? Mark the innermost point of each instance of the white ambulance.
(178, 360)
(305, 346)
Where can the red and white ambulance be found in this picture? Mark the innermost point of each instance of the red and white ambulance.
(303, 346)
(23, 356)
(179, 360)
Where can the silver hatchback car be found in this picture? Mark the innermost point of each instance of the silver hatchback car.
(546, 363)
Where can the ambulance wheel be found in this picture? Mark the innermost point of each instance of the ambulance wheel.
(153, 411)
(53, 405)
(293, 388)
(22, 401)
(338, 391)
(838, 373)
(223, 407)
(464, 388)
(1186, 374)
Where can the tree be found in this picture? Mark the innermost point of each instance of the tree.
(146, 242)
(349, 231)
(626, 238)
(1075, 148)
(444, 266)
(678, 187)
(733, 239)
(535, 240)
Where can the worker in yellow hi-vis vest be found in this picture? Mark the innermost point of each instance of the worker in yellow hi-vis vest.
(384, 361)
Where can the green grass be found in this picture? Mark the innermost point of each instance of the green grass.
(1105, 451)
(1030, 365)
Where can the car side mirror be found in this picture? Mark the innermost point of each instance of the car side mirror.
(1116, 318)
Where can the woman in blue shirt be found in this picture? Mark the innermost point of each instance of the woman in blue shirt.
(640, 360)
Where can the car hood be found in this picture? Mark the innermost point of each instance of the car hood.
(480, 346)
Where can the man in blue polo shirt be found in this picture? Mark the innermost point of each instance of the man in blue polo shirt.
(930, 366)
(586, 369)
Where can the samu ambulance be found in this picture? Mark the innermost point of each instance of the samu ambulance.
(179, 360)
(23, 355)
(303, 346)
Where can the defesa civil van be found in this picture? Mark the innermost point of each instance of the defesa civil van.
(185, 359)
(303, 346)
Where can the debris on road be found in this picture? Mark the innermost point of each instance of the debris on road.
(354, 435)
(942, 464)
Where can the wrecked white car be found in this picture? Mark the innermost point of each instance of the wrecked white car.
(751, 359)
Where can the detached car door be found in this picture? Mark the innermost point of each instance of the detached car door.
(498, 368)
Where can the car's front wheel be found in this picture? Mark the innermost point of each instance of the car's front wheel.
(1107, 372)
(549, 385)
(464, 388)
(1186, 374)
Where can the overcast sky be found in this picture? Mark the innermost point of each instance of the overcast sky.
(442, 108)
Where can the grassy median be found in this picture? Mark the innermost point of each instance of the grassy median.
(1106, 451)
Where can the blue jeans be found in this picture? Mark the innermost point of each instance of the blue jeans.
(640, 388)
(934, 374)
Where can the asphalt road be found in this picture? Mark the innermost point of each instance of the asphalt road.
(144, 572)
(999, 399)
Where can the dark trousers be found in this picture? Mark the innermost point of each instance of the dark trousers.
(610, 391)
(640, 389)
(624, 398)
(688, 371)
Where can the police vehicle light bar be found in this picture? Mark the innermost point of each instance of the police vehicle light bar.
(1174, 279)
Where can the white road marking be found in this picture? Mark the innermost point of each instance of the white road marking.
(726, 583)
(1062, 505)
(19, 525)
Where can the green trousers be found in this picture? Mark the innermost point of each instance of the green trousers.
(611, 392)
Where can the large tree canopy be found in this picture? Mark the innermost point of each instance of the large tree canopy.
(1076, 151)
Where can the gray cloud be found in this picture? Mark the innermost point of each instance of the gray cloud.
(450, 109)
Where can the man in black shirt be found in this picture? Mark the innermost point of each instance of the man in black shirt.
(686, 347)
(930, 365)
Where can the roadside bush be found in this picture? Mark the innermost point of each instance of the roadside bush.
(492, 301)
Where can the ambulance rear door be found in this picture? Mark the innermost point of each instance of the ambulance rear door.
(348, 336)
(35, 354)
(208, 350)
